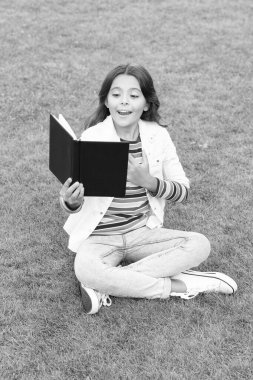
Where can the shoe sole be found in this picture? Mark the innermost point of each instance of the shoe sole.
(89, 300)
(219, 276)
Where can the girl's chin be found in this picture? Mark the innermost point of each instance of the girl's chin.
(125, 121)
(124, 124)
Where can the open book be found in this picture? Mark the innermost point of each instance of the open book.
(101, 166)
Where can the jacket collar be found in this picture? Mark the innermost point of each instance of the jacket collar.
(147, 132)
(108, 131)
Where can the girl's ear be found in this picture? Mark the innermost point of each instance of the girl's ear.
(146, 108)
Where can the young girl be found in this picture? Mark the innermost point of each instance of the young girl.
(104, 231)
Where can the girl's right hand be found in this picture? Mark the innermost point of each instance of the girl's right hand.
(72, 195)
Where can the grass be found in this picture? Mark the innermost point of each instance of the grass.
(54, 55)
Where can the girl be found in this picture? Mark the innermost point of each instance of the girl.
(104, 231)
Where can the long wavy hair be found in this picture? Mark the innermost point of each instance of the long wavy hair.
(147, 87)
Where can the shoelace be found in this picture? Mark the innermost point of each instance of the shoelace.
(194, 292)
(105, 300)
(185, 296)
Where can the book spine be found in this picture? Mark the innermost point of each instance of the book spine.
(75, 161)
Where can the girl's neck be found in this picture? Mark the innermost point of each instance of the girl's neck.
(129, 134)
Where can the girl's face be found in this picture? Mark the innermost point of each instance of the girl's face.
(126, 102)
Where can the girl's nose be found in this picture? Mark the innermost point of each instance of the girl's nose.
(124, 100)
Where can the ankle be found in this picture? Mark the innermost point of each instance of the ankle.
(178, 286)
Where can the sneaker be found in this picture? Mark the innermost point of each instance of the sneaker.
(200, 282)
(93, 300)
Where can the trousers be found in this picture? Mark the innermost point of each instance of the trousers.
(150, 256)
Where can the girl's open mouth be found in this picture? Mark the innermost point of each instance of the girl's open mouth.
(124, 113)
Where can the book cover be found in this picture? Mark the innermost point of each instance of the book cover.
(100, 165)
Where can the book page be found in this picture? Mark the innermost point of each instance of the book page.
(66, 126)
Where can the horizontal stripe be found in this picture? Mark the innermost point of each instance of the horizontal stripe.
(116, 210)
(135, 151)
(135, 195)
(128, 202)
(117, 224)
(116, 230)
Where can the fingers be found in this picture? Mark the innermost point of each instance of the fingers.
(77, 192)
(73, 192)
(68, 182)
(81, 193)
(144, 157)
(72, 188)
(65, 186)
(131, 159)
(134, 161)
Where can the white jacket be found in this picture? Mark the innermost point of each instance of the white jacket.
(163, 163)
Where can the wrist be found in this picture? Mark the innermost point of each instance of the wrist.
(151, 184)
(73, 206)
(70, 208)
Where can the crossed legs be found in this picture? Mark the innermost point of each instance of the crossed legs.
(153, 257)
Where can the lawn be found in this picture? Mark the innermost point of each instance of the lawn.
(54, 56)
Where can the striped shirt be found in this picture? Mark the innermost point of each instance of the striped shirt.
(132, 211)
(128, 213)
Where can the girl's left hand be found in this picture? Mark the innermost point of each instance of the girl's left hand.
(138, 173)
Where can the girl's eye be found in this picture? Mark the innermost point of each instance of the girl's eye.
(134, 96)
(115, 95)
